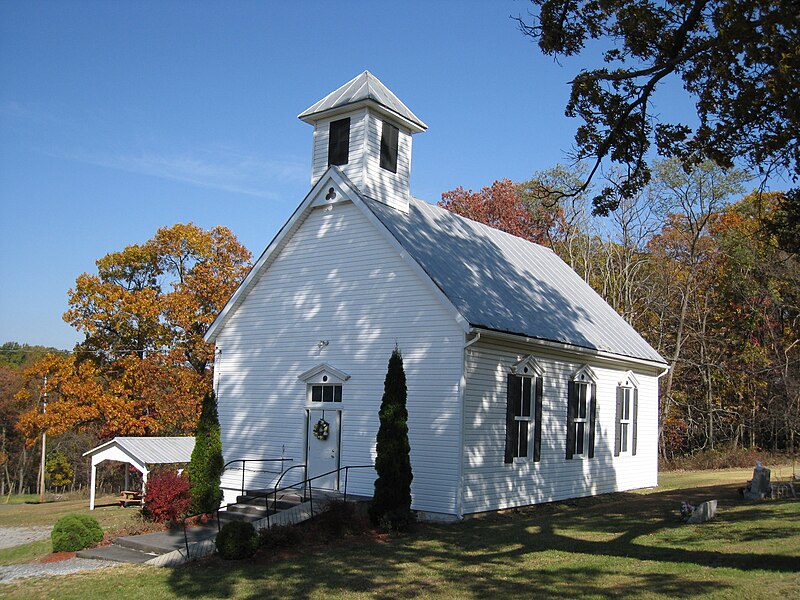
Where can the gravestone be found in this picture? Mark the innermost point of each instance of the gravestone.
(703, 512)
(759, 487)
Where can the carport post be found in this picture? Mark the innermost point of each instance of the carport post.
(91, 488)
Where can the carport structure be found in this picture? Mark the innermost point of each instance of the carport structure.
(143, 453)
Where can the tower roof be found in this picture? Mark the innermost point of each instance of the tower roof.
(365, 88)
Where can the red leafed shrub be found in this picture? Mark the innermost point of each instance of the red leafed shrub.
(166, 497)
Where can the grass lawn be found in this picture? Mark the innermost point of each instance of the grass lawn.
(107, 512)
(622, 545)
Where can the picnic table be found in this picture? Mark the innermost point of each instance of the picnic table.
(129, 497)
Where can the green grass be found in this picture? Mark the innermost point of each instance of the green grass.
(110, 516)
(107, 512)
(622, 545)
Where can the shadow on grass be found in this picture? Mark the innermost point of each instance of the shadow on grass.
(625, 545)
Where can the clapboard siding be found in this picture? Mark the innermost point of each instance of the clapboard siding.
(338, 279)
(385, 186)
(354, 169)
(363, 166)
(489, 484)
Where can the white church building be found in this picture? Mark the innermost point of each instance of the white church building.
(524, 385)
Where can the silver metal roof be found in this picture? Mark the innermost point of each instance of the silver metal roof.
(359, 89)
(152, 450)
(504, 283)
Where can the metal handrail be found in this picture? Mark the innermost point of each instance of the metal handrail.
(307, 481)
(244, 462)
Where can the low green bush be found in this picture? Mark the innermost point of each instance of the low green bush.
(76, 532)
(237, 540)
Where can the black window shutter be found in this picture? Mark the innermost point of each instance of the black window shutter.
(513, 396)
(537, 414)
(592, 419)
(618, 434)
(572, 410)
(339, 142)
(634, 419)
(389, 143)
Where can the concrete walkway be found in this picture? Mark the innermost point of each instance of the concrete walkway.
(170, 548)
(149, 546)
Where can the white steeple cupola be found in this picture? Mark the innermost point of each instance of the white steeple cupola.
(365, 130)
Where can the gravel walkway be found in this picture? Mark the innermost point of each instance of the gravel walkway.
(64, 567)
(16, 536)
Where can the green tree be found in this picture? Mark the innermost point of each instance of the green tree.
(205, 468)
(739, 61)
(391, 503)
(58, 470)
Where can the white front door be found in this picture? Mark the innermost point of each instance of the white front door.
(322, 451)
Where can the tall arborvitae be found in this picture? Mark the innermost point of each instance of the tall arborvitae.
(205, 469)
(391, 504)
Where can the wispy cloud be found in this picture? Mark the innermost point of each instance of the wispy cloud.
(211, 165)
(222, 169)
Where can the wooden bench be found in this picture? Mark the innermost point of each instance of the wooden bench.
(129, 497)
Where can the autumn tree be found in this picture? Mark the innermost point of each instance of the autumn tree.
(143, 367)
(685, 252)
(738, 61)
(503, 207)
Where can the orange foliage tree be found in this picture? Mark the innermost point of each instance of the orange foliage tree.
(143, 366)
(503, 207)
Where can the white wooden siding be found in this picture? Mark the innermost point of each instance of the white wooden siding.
(489, 484)
(380, 184)
(363, 167)
(354, 169)
(337, 279)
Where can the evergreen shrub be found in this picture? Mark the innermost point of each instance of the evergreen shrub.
(237, 540)
(391, 503)
(166, 497)
(75, 532)
(205, 468)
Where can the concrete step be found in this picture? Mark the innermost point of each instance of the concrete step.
(116, 554)
(167, 541)
(227, 516)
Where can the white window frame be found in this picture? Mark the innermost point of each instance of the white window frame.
(585, 388)
(530, 419)
(625, 420)
(528, 368)
(625, 417)
(584, 379)
(324, 376)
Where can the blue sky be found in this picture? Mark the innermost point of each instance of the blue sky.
(117, 118)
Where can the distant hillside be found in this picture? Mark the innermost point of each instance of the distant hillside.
(16, 355)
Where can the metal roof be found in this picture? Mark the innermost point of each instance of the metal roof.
(504, 283)
(360, 89)
(152, 450)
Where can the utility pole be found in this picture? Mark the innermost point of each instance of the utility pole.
(44, 443)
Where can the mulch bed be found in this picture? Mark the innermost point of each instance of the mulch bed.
(57, 557)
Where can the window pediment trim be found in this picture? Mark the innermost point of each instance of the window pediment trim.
(534, 369)
(629, 380)
(315, 374)
(585, 374)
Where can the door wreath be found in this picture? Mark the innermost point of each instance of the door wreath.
(322, 429)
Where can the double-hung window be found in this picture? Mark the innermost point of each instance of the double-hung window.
(524, 412)
(581, 414)
(627, 409)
